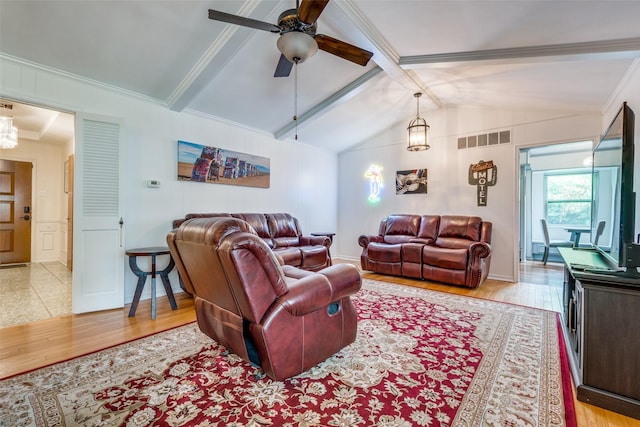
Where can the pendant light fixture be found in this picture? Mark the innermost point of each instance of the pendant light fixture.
(417, 130)
(8, 132)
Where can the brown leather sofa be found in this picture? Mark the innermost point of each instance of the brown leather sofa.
(282, 233)
(281, 318)
(451, 249)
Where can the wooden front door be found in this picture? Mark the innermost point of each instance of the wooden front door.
(15, 212)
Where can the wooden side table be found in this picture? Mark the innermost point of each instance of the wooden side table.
(153, 252)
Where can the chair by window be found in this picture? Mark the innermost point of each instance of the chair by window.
(599, 232)
(548, 244)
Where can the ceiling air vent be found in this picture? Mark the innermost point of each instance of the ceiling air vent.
(484, 139)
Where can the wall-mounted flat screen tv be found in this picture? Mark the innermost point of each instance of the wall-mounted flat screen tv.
(613, 196)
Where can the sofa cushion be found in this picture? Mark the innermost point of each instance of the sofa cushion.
(313, 257)
(429, 227)
(257, 220)
(454, 259)
(400, 224)
(259, 223)
(284, 229)
(384, 252)
(412, 253)
(460, 227)
(290, 255)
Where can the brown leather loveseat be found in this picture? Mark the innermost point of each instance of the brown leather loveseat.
(281, 318)
(451, 249)
(282, 233)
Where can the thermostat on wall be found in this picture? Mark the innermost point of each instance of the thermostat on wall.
(153, 183)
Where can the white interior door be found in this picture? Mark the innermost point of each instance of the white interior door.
(98, 237)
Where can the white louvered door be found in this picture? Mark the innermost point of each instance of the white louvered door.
(98, 236)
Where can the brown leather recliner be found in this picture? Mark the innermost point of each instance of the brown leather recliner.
(284, 319)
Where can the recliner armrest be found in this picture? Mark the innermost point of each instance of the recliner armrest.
(479, 249)
(317, 290)
(364, 240)
(315, 240)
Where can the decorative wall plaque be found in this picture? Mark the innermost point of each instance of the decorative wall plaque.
(483, 175)
(412, 181)
(201, 163)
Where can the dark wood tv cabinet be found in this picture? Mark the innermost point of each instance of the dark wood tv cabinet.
(601, 321)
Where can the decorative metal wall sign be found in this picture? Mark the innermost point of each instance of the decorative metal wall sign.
(201, 163)
(483, 175)
(413, 181)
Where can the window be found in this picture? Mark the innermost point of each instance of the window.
(568, 198)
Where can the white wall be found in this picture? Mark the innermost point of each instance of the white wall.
(449, 191)
(629, 92)
(303, 179)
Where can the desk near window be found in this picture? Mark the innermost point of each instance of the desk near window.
(576, 232)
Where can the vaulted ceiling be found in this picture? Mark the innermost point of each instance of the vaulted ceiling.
(519, 55)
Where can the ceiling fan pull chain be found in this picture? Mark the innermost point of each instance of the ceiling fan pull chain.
(295, 98)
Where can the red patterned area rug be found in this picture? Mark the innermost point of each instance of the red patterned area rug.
(421, 358)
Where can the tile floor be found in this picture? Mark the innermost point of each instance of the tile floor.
(33, 292)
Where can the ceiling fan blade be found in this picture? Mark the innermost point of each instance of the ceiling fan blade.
(284, 67)
(343, 49)
(310, 10)
(216, 15)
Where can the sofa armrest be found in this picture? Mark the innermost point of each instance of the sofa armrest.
(315, 241)
(317, 290)
(365, 239)
(479, 250)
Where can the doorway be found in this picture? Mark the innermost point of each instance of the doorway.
(538, 164)
(39, 195)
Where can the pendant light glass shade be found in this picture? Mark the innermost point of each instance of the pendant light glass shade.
(8, 133)
(417, 130)
(297, 46)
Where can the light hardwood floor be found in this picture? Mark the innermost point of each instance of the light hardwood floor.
(34, 345)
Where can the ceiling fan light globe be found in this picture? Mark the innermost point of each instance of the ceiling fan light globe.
(297, 46)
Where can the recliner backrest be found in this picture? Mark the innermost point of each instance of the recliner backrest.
(285, 229)
(259, 223)
(429, 225)
(253, 273)
(195, 244)
(400, 228)
(223, 261)
(457, 231)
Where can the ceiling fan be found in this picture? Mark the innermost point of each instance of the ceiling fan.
(298, 39)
